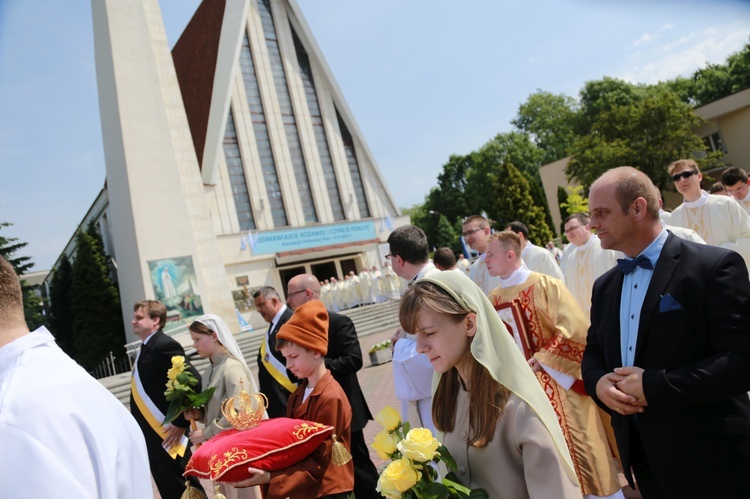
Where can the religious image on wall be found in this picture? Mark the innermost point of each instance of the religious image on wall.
(176, 286)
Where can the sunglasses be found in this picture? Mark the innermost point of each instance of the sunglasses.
(687, 174)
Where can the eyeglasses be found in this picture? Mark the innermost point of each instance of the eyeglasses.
(289, 295)
(739, 189)
(389, 256)
(471, 231)
(571, 229)
(687, 174)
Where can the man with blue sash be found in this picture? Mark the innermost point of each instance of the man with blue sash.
(167, 445)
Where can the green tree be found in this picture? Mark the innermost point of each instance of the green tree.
(602, 96)
(32, 304)
(647, 134)
(515, 148)
(97, 318)
(549, 120)
(514, 202)
(61, 310)
(575, 201)
(445, 235)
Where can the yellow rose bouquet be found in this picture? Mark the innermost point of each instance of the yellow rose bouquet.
(413, 453)
(180, 392)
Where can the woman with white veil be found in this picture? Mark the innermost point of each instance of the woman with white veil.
(212, 339)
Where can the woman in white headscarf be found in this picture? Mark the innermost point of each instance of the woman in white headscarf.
(212, 339)
(494, 417)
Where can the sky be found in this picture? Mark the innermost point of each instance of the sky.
(425, 79)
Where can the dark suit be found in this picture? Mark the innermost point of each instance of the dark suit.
(694, 435)
(154, 361)
(277, 395)
(344, 359)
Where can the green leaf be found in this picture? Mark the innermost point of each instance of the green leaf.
(436, 490)
(174, 410)
(456, 486)
(479, 494)
(447, 458)
(200, 399)
(405, 428)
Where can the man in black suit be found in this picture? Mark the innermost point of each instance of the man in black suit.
(343, 359)
(677, 318)
(275, 380)
(165, 444)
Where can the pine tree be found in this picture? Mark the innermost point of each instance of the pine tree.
(32, 304)
(61, 310)
(97, 318)
(513, 201)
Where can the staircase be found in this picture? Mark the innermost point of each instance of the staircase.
(368, 319)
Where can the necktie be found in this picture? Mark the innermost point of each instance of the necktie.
(627, 265)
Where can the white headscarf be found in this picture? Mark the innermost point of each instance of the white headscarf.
(495, 349)
(226, 338)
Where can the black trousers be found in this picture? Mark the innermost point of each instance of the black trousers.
(365, 473)
(167, 472)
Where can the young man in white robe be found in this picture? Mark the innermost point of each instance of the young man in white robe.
(719, 220)
(536, 258)
(585, 259)
(476, 232)
(735, 182)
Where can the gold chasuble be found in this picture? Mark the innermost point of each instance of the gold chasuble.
(549, 325)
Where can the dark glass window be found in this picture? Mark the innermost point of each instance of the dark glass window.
(237, 180)
(351, 159)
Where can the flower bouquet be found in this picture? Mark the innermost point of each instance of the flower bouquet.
(180, 392)
(414, 453)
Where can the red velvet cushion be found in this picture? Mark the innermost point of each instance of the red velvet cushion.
(273, 445)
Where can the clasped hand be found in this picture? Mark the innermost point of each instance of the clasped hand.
(622, 390)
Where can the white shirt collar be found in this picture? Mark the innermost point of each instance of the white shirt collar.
(698, 202)
(278, 315)
(519, 276)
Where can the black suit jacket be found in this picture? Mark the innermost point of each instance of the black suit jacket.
(154, 361)
(277, 395)
(695, 430)
(344, 359)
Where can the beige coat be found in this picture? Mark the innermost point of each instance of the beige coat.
(520, 462)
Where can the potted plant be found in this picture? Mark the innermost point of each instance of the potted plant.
(380, 353)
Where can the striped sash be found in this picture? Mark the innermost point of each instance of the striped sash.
(275, 368)
(153, 415)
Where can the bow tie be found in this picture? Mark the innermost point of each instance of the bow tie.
(627, 265)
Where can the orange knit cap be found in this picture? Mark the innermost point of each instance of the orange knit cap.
(308, 327)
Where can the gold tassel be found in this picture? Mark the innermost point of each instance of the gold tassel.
(191, 493)
(340, 455)
(218, 494)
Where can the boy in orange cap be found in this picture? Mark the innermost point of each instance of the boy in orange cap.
(303, 340)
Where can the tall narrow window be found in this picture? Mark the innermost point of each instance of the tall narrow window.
(267, 163)
(351, 159)
(236, 171)
(329, 174)
(287, 113)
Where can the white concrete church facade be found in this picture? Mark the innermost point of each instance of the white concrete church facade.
(232, 161)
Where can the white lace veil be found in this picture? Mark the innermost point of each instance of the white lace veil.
(226, 338)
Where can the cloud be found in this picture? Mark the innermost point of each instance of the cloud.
(645, 38)
(684, 55)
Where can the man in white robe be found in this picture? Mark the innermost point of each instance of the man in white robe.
(464, 264)
(412, 371)
(536, 258)
(476, 232)
(63, 434)
(735, 181)
(585, 261)
(719, 220)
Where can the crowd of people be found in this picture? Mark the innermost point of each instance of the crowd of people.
(545, 371)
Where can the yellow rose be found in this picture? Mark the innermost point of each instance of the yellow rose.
(385, 444)
(388, 418)
(178, 362)
(170, 384)
(397, 477)
(419, 445)
(173, 373)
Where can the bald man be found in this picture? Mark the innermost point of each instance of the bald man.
(668, 350)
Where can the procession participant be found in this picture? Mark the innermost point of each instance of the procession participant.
(476, 232)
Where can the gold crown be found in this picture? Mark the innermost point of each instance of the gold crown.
(245, 410)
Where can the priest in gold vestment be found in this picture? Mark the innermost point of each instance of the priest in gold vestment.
(550, 329)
